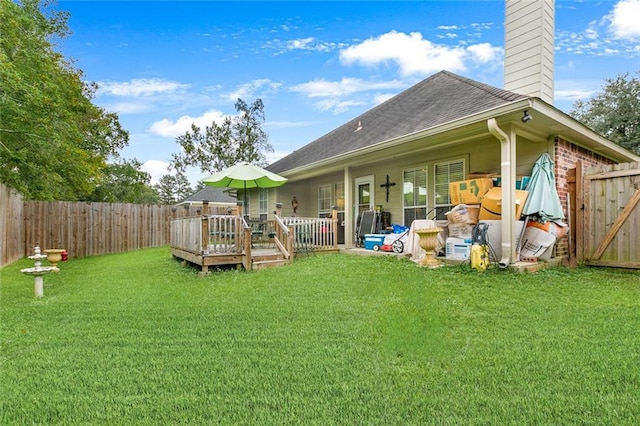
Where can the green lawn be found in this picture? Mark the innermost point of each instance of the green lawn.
(137, 338)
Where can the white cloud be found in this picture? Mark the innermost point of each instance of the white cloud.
(140, 87)
(129, 107)
(337, 106)
(415, 55)
(156, 169)
(625, 19)
(378, 99)
(302, 43)
(340, 96)
(310, 44)
(344, 87)
(485, 52)
(272, 157)
(571, 90)
(572, 94)
(248, 90)
(168, 128)
(286, 124)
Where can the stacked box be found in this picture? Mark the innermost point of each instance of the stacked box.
(457, 248)
(491, 207)
(469, 191)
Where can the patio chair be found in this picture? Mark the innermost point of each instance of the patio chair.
(368, 223)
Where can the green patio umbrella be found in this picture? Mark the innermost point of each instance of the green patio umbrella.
(543, 199)
(243, 176)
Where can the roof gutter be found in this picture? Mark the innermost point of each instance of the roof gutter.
(507, 171)
(607, 148)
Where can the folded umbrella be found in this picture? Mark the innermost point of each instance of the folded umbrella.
(543, 199)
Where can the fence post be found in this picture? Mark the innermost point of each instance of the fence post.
(205, 233)
(581, 213)
(334, 225)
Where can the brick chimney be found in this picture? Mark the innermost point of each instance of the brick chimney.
(529, 48)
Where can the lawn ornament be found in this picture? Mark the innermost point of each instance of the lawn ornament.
(38, 271)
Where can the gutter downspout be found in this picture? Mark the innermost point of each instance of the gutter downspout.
(507, 171)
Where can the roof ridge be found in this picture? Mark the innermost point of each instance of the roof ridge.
(492, 90)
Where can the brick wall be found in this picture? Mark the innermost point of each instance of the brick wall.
(566, 155)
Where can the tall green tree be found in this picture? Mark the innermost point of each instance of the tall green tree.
(124, 182)
(166, 189)
(183, 186)
(238, 138)
(615, 111)
(173, 188)
(54, 141)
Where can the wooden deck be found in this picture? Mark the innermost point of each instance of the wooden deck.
(218, 240)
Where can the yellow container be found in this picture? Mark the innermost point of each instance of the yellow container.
(479, 257)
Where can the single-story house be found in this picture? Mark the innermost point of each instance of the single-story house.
(402, 154)
(219, 200)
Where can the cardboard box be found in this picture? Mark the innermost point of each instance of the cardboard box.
(457, 248)
(372, 240)
(469, 191)
(537, 243)
(463, 213)
(460, 230)
(491, 207)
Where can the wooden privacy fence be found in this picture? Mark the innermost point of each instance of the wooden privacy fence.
(11, 226)
(86, 229)
(82, 228)
(611, 216)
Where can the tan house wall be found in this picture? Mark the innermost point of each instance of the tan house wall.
(480, 156)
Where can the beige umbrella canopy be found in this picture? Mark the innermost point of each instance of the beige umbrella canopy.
(243, 176)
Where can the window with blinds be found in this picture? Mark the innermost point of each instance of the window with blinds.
(444, 173)
(264, 203)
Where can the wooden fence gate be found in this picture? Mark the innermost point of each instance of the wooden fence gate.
(611, 216)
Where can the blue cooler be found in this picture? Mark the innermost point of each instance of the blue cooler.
(371, 240)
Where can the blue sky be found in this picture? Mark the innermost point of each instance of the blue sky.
(164, 65)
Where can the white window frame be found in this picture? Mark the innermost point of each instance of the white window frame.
(405, 207)
(263, 202)
(336, 191)
(324, 198)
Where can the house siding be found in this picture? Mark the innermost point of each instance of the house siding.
(565, 156)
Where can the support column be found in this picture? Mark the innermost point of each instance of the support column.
(348, 208)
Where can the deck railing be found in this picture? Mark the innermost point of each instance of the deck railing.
(232, 234)
(213, 234)
(310, 233)
(186, 234)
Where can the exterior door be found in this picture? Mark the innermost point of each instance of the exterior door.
(364, 192)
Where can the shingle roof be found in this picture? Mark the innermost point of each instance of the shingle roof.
(438, 99)
(212, 195)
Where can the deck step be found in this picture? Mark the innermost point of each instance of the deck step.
(263, 264)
